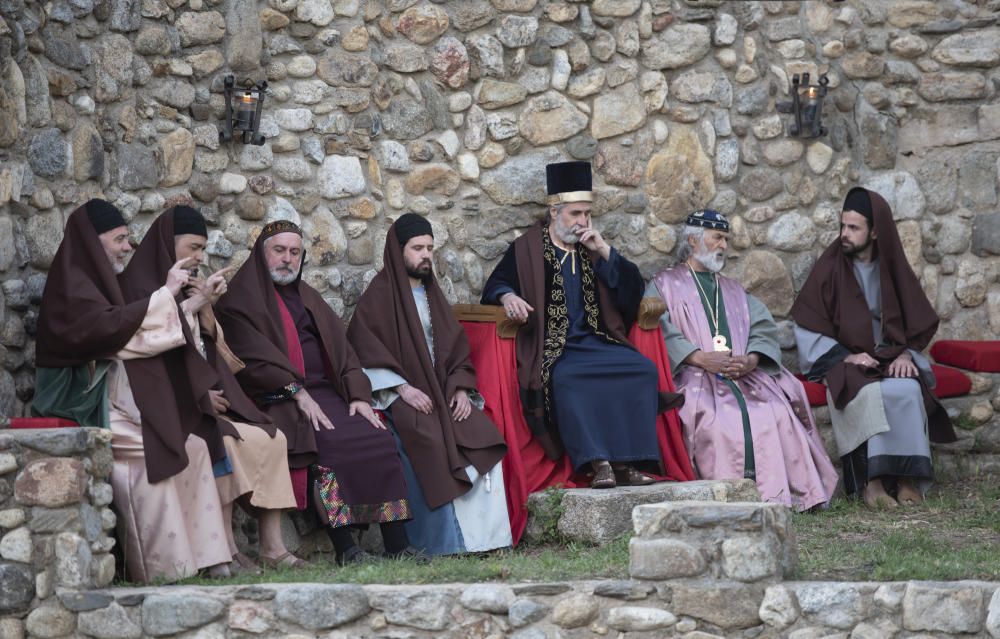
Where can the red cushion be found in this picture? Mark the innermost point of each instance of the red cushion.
(815, 391)
(981, 356)
(951, 382)
(41, 422)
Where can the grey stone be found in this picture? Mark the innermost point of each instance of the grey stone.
(114, 70)
(243, 28)
(986, 234)
(469, 15)
(426, 610)
(993, 616)
(761, 184)
(582, 147)
(575, 611)
(780, 608)
(969, 49)
(549, 118)
(63, 49)
(135, 167)
(750, 558)
(526, 611)
(126, 15)
(340, 176)
(167, 614)
(639, 618)
(791, 232)
(36, 92)
(405, 57)
(724, 604)
(47, 153)
(541, 590)
(495, 599)
(879, 137)
(752, 100)
(153, 40)
(702, 86)
(900, 72)
(727, 159)
(406, 119)
(627, 590)
(520, 179)
(517, 31)
(617, 111)
(943, 608)
(112, 622)
(837, 605)
(485, 56)
(663, 559)
(901, 191)
(676, 46)
(49, 621)
(293, 169)
(84, 601)
(784, 29)
(945, 86)
(977, 180)
(494, 94)
(338, 69)
(200, 27)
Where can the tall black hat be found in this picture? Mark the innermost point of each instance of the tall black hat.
(569, 182)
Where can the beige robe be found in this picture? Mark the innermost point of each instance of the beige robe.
(174, 527)
(259, 462)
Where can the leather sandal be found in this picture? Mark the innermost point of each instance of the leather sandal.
(628, 476)
(243, 565)
(285, 560)
(604, 477)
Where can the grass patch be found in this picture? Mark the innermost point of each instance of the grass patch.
(954, 535)
(522, 564)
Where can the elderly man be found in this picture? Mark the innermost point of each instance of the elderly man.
(102, 360)
(861, 321)
(581, 381)
(745, 415)
(417, 357)
(301, 367)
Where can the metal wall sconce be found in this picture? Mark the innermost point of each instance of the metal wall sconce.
(806, 107)
(243, 118)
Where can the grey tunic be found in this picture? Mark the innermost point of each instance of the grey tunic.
(889, 416)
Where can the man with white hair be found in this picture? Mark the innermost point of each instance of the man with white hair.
(745, 414)
(302, 370)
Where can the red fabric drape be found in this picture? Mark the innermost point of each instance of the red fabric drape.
(300, 476)
(526, 468)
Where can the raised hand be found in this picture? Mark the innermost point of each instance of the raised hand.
(178, 276)
(592, 239)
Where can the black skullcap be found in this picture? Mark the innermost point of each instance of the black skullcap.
(858, 200)
(709, 219)
(189, 221)
(567, 182)
(411, 225)
(104, 215)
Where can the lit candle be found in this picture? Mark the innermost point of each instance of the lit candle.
(812, 103)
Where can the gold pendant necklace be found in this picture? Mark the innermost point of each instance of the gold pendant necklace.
(719, 341)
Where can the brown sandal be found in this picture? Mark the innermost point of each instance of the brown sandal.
(286, 560)
(628, 476)
(604, 477)
(243, 565)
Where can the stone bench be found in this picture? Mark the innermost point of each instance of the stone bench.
(599, 516)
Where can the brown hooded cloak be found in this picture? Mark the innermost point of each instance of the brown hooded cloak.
(831, 303)
(386, 332)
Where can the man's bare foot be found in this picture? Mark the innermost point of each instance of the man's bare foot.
(908, 494)
(874, 496)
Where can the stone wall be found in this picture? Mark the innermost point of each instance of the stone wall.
(699, 570)
(450, 108)
(55, 522)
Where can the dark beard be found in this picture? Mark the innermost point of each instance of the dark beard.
(420, 272)
(854, 250)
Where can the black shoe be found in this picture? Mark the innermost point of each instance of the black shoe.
(354, 555)
(410, 553)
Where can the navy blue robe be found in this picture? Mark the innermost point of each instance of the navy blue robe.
(604, 394)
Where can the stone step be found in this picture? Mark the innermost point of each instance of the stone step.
(599, 516)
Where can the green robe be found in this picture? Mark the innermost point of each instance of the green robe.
(73, 393)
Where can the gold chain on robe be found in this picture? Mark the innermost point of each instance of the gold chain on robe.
(557, 315)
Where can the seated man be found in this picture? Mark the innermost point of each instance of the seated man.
(300, 365)
(745, 415)
(861, 321)
(414, 350)
(581, 381)
(101, 361)
(257, 467)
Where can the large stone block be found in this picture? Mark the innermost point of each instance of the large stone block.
(51, 482)
(112, 622)
(837, 605)
(727, 605)
(664, 559)
(986, 234)
(169, 614)
(599, 516)
(943, 607)
(17, 587)
(424, 609)
(318, 607)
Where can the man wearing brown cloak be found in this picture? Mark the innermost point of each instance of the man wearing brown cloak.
(583, 385)
(862, 321)
(300, 366)
(416, 355)
(107, 360)
(256, 466)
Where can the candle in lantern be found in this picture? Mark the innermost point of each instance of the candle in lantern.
(812, 103)
(245, 112)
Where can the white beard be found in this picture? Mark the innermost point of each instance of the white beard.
(283, 279)
(566, 235)
(714, 261)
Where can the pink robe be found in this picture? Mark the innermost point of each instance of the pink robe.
(171, 528)
(792, 466)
